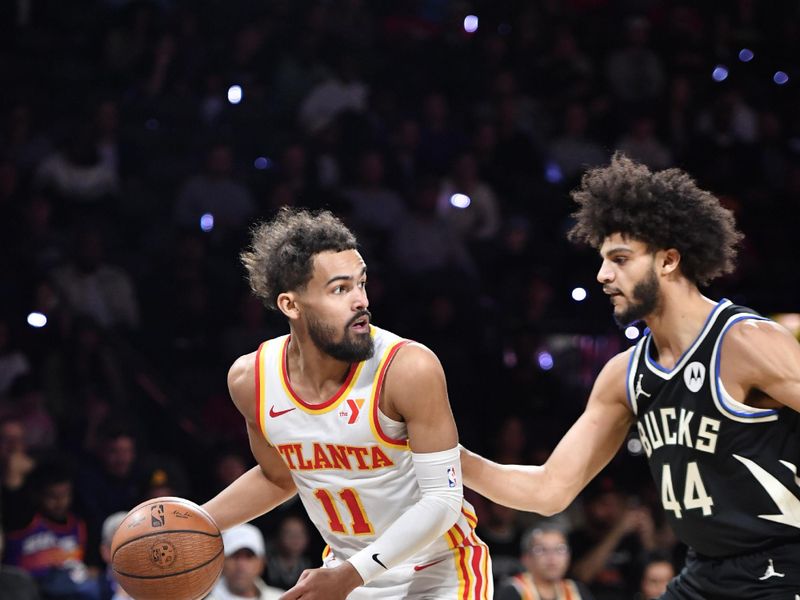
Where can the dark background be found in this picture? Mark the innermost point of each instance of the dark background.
(117, 135)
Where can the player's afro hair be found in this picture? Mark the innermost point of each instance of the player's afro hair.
(281, 253)
(664, 209)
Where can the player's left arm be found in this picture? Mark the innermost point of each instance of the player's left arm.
(762, 356)
(414, 391)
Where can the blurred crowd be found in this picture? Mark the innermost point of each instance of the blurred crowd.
(139, 140)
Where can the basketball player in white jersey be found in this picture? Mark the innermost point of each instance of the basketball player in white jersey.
(357, 421)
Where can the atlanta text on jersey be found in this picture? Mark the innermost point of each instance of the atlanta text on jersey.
(333, 456)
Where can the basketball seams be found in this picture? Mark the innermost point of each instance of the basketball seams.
(164, 533)
(166, 575)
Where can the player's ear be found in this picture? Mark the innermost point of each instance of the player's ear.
(287, 304)
(669, 260)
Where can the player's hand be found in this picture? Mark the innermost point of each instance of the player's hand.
(325, 584)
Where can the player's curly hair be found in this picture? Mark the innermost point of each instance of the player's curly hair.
(664, 209)
(281, 253)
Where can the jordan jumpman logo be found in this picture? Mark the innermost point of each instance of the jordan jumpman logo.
(639, 390)
(770, 572)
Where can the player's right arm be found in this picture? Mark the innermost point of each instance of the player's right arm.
(581, 454)
(266, 485)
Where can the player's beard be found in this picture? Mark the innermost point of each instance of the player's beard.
(644, 301)
(352, 348)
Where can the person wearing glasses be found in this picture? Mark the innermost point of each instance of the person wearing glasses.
(545, 556)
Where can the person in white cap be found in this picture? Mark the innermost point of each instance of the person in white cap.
(244, 563)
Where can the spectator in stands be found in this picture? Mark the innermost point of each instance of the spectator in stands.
(287, 559)
(245, 558)
(52, 547)
(545, 557)
(657, 573)
(609, 548)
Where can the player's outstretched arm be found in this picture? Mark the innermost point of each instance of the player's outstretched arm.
(582, 453)
(415, 391)
(266, 485)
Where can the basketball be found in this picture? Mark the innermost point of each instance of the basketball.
(167, 549)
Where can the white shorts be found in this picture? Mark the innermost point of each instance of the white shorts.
(464, 573)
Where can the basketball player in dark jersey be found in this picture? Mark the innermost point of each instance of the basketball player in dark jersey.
(712, 388)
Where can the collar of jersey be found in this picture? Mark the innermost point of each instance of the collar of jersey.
(665, 373)
(330, 403)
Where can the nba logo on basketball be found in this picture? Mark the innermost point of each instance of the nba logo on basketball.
(451, 476)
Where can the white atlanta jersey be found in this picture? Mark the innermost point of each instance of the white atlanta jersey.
(353, 470)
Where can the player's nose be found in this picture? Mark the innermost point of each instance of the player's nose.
(605, 274)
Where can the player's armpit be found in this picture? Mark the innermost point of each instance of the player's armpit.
(263, 487)
(762, 356)
(416, 390)
(583, 451)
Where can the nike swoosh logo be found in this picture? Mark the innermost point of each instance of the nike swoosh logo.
(277, 413)
(375, 558)
(423, 567)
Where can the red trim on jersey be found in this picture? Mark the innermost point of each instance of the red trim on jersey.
(377, 395)
(476, 567)
(464, 566)
(330, 401)
(259, 416)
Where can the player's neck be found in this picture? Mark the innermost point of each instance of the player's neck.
(312, 372)
(677, 322)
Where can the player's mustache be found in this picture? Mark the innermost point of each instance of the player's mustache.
(361, 313)
(610, 290)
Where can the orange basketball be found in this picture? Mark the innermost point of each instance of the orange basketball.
(167, 549)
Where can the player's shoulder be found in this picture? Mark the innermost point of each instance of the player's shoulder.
(242, 379)
(619, 363)
(611, 382)
(753, 337)
(414, 359)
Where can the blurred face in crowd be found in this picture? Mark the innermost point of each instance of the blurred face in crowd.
(55, 500)
(605, 510)
(240, 571)
(293, 537)
(119, 455)
(548, 556)
(12, 440)
(655, 578)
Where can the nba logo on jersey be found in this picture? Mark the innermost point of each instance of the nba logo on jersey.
(451, 476)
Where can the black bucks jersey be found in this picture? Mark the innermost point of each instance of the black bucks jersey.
(726, 472)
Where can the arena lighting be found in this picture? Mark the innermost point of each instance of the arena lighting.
(37, 319)
(235, 94)
(579, 294)
(746, 55)
(471, 23)
(780, 77)
(720, 73)
(552, 172)
(460, 200)
(207, 222)
(632, 332)
(545, 360)
(262, 162)
(635, 446)
(510, 359)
